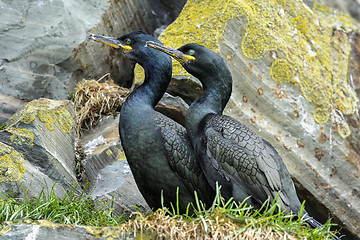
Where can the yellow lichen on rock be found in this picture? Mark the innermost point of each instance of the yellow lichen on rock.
(48, 111)
(28, 117)
(282, 71)
(335, 18)
(65, 120)
(310, 47)
(21, 136)
(48, 117)
(121, 156)
(202, 22)
(11, 164)
(105, 232)
(109, 152)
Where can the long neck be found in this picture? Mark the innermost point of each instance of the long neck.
(213, 100)
(157, 78)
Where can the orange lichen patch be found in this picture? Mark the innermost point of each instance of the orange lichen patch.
(277, 137)
(247, 71)
(260, 91)
(244, 98)
(11, 164)
(287, 147)
(323, 138)
(300, 143)
(295, 114)
(280, 94)
(253, 119)
(229, 56)
(94, 99)
(353, 158)
(319, 153)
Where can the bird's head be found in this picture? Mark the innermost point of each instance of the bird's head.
(132, 45)
(197, 60)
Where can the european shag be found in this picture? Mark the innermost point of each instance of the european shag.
(157, 148)
(229, 152)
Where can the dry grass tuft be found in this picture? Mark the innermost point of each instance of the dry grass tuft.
(94, 99)
(159, 225)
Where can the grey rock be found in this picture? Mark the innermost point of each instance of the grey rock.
(93, 60)
(44, 50)
(8, 106)
(351, 7)
(37, 42)
(37, 145)
(173, 107)
(278, 91)
(105, 165)
(43, 230)
(188, 88)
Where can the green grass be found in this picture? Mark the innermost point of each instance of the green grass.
(71, 209)
(2, 127)
(268, 217)
(225, 219)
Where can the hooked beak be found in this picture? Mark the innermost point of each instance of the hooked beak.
(176, 54)
(111, 41)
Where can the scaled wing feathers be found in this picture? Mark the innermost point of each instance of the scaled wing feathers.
(244, 156)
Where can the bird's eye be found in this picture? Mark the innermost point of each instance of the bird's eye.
(191, 52)
(128, 41)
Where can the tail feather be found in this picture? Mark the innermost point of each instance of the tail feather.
(315, 224)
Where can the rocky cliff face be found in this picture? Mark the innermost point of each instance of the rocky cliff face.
(42, 53)
(292, 85)
(295, 66)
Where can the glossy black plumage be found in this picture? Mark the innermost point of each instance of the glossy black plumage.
(157, 148)
(229, 152)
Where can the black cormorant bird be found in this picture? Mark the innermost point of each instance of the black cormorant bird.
(156, 147)
(229, 152)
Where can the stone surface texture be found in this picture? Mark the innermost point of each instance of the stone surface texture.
(296, 72)
(44, 49)
(292, 86)
(37, 148)
(105, 165)
(42, 229)
(37, 42)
